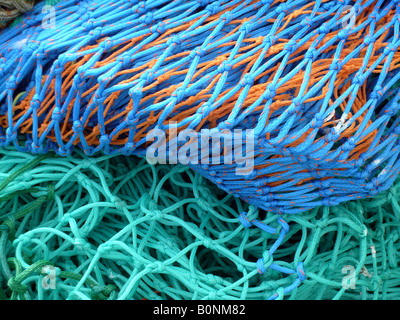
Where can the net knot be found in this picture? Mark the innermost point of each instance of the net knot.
(300, 271)
(11, 83)
(175, 39)
(128, 148)
(311, 54)
(148, 18)
(306, 22)
(224, 66)
(118, 203)
(124, 60)
(282, 8)
(56, 115)
(291, 46)
(193, 279)
(198, 51)
(11, 135)
(159, 28)
(246, 27)
(247, 80)
(203, 3)
(106, 44)
(325, 192)
(226, 17)
(390, 48)
(203, 204)
(96, 33)
(264, 262)
(24, 238)
(157, 267)
(84, 181)
(32, 46)
(270, 92)
(204, 110)
(358, 79)
(324, 29)
(369, 39)
(157, 215)
(284, 224)
(373, 15)
(213, 8)
(131, 120)
(332, 136)
(77, 126)
(213, 295)
(327, 201)
(375, 281)
(361, 160)
(103, 248)
(266, 190)
(36, 148)
(65, 218)
(244, 220)
(142, 5)
(358, 8)
(261, 182)
(335, 65)
(147, 76)
(50, 192)
(63, 152)
(321, 223)
(343, 34)
(58, 66)
(376, 93)
(81, 244)
(16, 286)
(87, 163)
(105, 140)
(349, 145)
(209, 243)
(269, 41)
(179, 94)
(82, 10)
(317, 122)
(391, 110)
(252, 175)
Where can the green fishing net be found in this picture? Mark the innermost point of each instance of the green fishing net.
(116, 227)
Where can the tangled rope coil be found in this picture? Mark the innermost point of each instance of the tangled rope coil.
(115, 227)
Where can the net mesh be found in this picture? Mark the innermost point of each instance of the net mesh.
(317, 81)
(115, 227)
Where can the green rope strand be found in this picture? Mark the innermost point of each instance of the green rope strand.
(21, 170)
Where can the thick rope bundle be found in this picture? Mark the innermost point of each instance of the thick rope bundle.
(11, 9)
(321, 94)
(115, 227)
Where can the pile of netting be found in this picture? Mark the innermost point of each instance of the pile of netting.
(115, 227)
(11, 10)
(315, 81)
